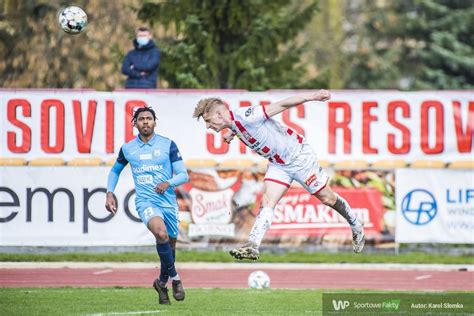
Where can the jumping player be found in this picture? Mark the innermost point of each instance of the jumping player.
(154, 159)
(290, 158)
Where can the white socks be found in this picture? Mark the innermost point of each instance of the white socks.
(343, 208)
(175, 278)
(261, 225)
(265, 218)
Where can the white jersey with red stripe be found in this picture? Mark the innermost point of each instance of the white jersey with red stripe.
(267, 137)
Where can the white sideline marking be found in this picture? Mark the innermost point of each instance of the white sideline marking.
(423, 277)
(103, 271)
(126, 313)
(240, 265)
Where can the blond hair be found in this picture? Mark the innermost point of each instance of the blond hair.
(205, 106)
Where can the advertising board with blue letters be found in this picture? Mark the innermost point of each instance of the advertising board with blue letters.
(434, 206)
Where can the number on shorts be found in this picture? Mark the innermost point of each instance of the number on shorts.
(148, 212)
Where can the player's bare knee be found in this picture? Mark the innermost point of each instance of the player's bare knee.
(327, 196)
(161, 236)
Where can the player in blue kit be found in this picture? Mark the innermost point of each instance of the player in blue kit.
(157, 168)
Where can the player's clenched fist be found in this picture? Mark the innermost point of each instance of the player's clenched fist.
(321, 95)
(324, 95)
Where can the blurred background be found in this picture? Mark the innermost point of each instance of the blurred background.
(252, 45)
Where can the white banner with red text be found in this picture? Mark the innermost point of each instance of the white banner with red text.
(435, 206)
(370, 125)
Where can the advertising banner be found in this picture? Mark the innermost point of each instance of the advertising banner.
(435, 206)
(65, 206)
(372, 125)
(300, 213)
(211, 211)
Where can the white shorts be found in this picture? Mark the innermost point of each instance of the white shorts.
(305, 170)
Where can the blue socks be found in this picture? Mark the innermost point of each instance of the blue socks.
(162, 270)
(163, 273)
(167, 261)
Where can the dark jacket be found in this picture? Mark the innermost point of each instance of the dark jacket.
(144, 59)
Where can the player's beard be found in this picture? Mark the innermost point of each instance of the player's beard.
(146, 131)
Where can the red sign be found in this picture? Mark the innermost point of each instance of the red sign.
(300, 213)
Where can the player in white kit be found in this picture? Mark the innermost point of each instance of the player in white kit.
(291, 158)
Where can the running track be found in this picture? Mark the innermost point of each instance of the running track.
(235, 276)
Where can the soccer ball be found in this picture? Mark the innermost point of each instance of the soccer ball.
(73, 20)
(259, 280)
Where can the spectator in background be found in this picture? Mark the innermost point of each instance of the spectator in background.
(141, 64)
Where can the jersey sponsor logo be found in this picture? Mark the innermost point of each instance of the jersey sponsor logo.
(147, 168)
(145, 157)
(310, 180)
(249, 112)
(145, 179)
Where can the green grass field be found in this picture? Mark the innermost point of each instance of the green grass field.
(141, 301)
(267, 257)
(115, 301)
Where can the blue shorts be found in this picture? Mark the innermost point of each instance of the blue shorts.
(169, 215)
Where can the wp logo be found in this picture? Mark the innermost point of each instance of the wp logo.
(338, 305)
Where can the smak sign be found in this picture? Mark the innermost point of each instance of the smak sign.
(212, 211)
(300, 213)
(369, 124)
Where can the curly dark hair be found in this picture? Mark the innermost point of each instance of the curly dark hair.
(143, 109)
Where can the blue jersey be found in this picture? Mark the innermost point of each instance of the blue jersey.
(151, 163)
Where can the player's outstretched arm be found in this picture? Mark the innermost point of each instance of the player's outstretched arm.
(278, 107)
